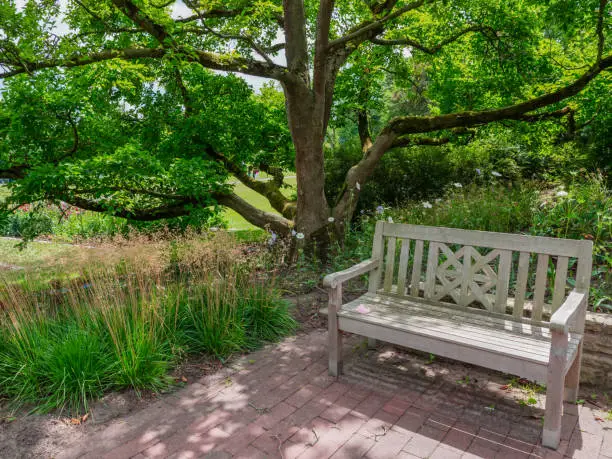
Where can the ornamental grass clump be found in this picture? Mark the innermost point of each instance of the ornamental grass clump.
(127, 314)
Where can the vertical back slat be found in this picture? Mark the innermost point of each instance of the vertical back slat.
(583, 281)
(521, 284)
(503, 279)
(390, 264)
(540, 286)
(432, 266)
(560, 281)
(417, 261)
(403, 267)
(466, 275)
(377, 251)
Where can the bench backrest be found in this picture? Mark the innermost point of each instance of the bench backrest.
(524, 278)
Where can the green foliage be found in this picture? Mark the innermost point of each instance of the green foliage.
(489, 208)
(130, 315)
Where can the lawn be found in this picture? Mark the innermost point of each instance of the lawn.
(235, 221)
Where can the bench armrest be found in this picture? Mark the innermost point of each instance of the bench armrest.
(332, 280)
(565, 315)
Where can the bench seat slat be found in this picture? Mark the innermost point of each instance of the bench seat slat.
(467, 318)
(495, 335)
(478, 334)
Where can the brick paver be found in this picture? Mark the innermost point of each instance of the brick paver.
(280, 403)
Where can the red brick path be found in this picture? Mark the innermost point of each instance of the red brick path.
(279, 402)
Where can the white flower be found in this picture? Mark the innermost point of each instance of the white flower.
(496, 174)
(439, 200)
(331, 219)
(214, 228)
(272, 239)
(358, 186)
(478, 171)
(380, 209)
(457, 185)
(561, 194)
(389, 219)
(293, 232)
(299, 235)
(427, 205)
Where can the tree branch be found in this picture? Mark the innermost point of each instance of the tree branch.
(253, 215)
(370, 29)
(296, 49)
(431, 49)
(269, 189)
(520, 111)
(78, 61)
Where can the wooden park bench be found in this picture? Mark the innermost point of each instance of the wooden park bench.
(465, 295)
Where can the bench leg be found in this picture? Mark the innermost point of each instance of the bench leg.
(372, 342)
(554, 392)
(334, 335)
(572, 378)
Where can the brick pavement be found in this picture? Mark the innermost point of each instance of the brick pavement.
(280, 403)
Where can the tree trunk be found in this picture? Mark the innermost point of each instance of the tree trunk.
(307, 133)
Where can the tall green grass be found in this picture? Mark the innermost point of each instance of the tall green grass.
(129, 318)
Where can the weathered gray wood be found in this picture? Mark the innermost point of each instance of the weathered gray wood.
(417, 262)
(540, 286)
(521, 285)
(505, 241)
(572, 377)
(560, 282)
(488, 358)
(548, 352)
(334, 335)
(465, 275)
(503, 279)
(390, 263)
(551, 434)
(331, 280)
(377, 251)
(563, 318)
(403, 266)
(432, 266)
(476, 334)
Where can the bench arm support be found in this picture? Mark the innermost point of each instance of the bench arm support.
(566, 314)
(334, 279)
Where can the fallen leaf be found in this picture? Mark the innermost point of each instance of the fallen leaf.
(85, 417)
(505, 387)
(75, 421)
(183, 379)
(597, 418)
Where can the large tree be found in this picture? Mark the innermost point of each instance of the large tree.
(488, 61)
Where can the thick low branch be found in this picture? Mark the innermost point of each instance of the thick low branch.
(184, 207)
(253, 215)
(269, 189)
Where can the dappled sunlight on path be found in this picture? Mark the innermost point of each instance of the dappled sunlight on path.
(279, 402)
